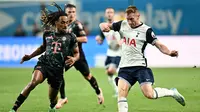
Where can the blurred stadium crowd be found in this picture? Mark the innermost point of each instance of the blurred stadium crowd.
(168, 19)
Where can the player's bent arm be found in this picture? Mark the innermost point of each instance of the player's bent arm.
(38, 51)
(76, 53)
(162, 48)
(105, 27)
(82, 39)
(81, 36)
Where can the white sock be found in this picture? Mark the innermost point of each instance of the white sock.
(111, 80)
(162, 92)
(117, 70)
(122, 104)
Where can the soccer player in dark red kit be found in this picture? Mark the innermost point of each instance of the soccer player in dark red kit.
(81, 65)
(58, 47)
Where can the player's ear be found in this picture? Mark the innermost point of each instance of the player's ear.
(56, 23)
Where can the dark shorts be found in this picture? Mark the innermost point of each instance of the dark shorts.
(82, 66)
(134, 74)
(54, 76)
(112, 60)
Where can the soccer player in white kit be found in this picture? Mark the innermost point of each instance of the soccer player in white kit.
(133, 64)
(113, 51)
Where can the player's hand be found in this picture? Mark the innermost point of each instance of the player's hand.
(70, 61)
(105, 27)
(25, 58)
(98, 39)
(174, 53)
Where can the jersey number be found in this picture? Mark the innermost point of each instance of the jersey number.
(129, 41)
(56, 47)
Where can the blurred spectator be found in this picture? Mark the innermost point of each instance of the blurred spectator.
(120, 15)
(36, 30)
(19, 31)
(42, 5)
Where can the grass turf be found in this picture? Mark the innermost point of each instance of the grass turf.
(82, 97)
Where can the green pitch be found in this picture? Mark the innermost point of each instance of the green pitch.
(83, 99)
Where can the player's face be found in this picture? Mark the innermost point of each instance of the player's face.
(71, 12)
(132, 19)
(109, 13)
(62, 23)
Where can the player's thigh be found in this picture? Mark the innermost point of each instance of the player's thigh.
(127, 74)
(145, 79)
(145, 75)
(55, 78)
(39, 74)
(82, 66)
(123, 87)
(147, 90)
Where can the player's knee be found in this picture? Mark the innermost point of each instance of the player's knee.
(148, 95)
(32, 84)
(88, 76)
(123, 91)
(111, 71)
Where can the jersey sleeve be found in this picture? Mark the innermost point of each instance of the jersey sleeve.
(116, 26)
(80, 29)
(150, 36)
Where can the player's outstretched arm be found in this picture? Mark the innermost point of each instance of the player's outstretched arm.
(165, 50)
(38, 51)
(71, 60)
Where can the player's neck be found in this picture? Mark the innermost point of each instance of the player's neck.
(110, 21)
(60, 32)
(73, 19)
(138, 23)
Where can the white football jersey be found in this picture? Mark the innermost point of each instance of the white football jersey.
(134, 43)
(113, 39)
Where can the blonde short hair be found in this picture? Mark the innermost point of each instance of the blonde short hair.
(131, 9)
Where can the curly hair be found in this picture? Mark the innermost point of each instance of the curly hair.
(49, 18)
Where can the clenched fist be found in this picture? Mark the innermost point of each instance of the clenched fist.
(174, 53)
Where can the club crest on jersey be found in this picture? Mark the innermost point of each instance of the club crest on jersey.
(64, 38)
